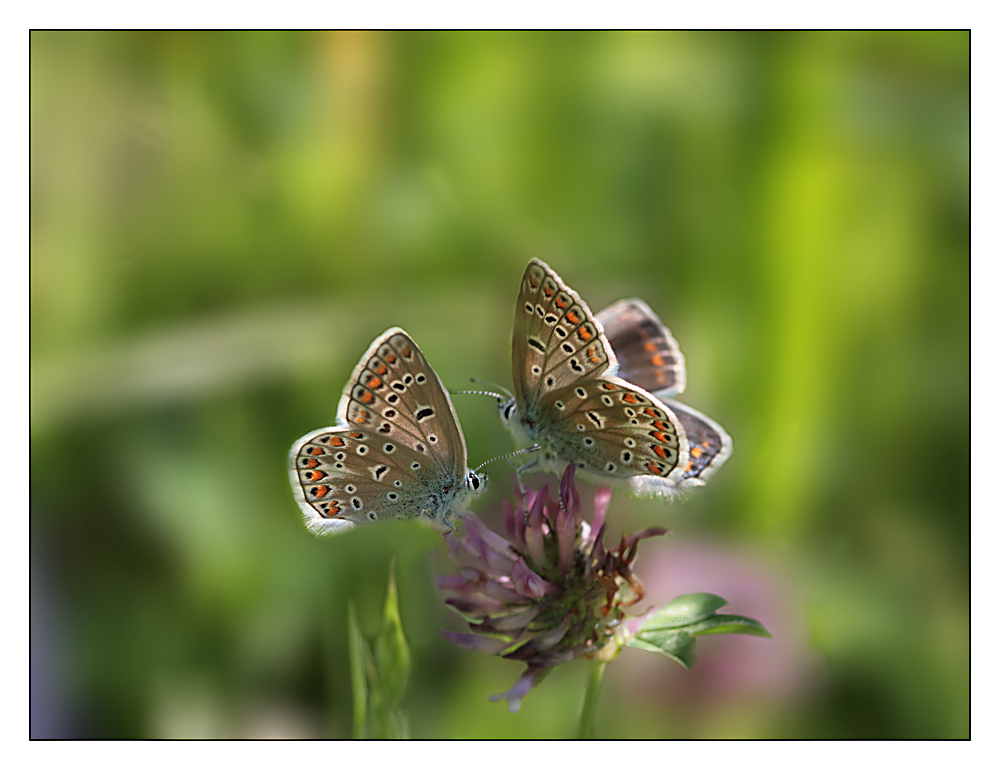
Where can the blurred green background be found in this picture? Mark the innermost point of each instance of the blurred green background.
(222, 222)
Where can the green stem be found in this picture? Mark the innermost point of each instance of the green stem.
(586, 726)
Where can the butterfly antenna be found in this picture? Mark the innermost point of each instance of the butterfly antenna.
(526, 450)
(501, 398)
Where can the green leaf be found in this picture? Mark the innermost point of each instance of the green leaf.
(683, 611)
(392, 653)
(678, 645)
(729, 624)
(357, 651)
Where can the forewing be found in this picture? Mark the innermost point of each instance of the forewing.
(617, 432)
(341, 476)
(709, 444)
(395, 393)
(557, 340)
(647, 353)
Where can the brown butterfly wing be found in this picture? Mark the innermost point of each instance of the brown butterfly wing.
(647, 353)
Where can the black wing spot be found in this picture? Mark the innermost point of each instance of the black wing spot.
(536, 344)
(393, 398)
(567, 347)
(596, 419)
(379, 471)
(421, 379)
(608, 401)
(397, 483)
(392, 496)
(415, 465)
(561, 331)
(432, 439)
(581, 393)
(575, 365)
(610, 467)
(560, 405)
(362, 449)
(385, 428)
(626, 456)
(420, 448)
(549, 381)
(356, 503)
(588, 441)
(372, 516)
(550, 319)
(408, 379)
(424, 413)
(536, 370)
(389, 448)
(340, 456)
(397, 385)
(350, 489)
(529, 308)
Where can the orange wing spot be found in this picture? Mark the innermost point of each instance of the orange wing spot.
(630, 398)
(316, 450)
(337, 441)
(366, 398)
(659, 436)
(650, 347)
(374, 382)
(318, 492)
(549, 290)
(660, 451)
(658, 424)
(572, 317)
(649, 411)
(696, 452)
(407, 352)
(381, 369)
(561, 303)
(314, 475)
(391, 358)
(310, 463)
(654, 468)
(333, 509)
(355, 434)
(658, 360)
(689, 466)
(533, 282)
(608, 386)
(585, 334)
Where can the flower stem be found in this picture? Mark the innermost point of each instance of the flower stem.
(586, 726)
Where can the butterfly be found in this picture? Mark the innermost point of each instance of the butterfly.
(649, 356)
(569, 400)
(396, 452)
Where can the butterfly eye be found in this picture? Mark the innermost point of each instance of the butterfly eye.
(507, 410)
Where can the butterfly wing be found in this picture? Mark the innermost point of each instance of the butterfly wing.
(649, 356)
(570, 401)
(709, 444)
(647, 353)
(556, 338)
(343, 476)
(397, 451)
(616, 433)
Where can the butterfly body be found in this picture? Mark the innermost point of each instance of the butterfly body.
(396, 452)
(569, 400)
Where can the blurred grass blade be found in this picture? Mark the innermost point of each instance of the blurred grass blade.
(392, 653)
(358, 651)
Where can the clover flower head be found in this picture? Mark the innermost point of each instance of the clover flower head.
(550, 591)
